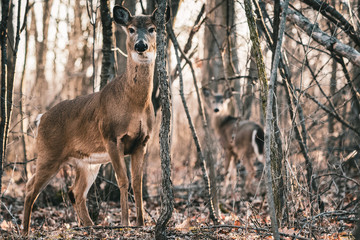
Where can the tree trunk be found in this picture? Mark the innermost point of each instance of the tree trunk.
(120, 39)
(167, 196)
(276, 153)
(269, 128)
(41, 85)
(149, 9)
(107, 42)
(3, 44)
(217, 66)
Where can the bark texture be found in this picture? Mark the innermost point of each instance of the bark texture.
(167, 196)
(3, 44)
(269, 127)
(107, 42)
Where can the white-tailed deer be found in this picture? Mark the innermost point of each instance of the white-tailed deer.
(241, 139)
(102, 127)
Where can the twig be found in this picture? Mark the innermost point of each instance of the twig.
(12, 217)
(337, 175)
(335, 17)
(15, 163)
(120, 227)
(339, 118)
(193, 131)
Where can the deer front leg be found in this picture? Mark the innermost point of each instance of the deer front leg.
(137, 162)
(116, 152)
(227, 174)
(228, 157)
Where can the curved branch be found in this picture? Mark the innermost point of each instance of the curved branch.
(329, 42)
(335, 17)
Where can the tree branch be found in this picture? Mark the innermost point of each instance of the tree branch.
(335, 17)
(329, 42)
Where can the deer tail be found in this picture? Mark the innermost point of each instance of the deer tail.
(258, 142)
(37, 123)
(38, 119)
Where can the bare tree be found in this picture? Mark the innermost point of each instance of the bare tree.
(167, 197)
(107, 42)
(3, 43)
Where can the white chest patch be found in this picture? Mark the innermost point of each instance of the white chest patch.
(144, 58)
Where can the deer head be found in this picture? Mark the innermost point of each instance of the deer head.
(218, 101)
(141, 32)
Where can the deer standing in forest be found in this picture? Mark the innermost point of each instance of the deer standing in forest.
(102, 127)
(241, 139)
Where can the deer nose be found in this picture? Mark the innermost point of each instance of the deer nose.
(216, 110)
(141, 46)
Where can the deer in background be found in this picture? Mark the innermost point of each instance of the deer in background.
(241, 139)
(102, 127)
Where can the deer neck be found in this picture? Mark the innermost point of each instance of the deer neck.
(139, 79)
(220, 118)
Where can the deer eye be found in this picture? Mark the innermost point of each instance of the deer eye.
(151, 30)
(221, 101)
(131, 30)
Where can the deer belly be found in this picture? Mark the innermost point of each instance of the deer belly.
(93, 158)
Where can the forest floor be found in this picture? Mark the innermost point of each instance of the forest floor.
(242, 216)
(239, 220)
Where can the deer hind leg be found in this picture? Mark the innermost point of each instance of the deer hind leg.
(116, 153)
(137, 163)
(248, 162)
(45, 171)
(85, 177)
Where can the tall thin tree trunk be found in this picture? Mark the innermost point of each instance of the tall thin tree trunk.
(269, 127)
(22, 107)
(167, 196)
(107, 42)
(3, 44)
(41, 84)
(120, 38)
(253, 74)
(276, 153)
(13, 44)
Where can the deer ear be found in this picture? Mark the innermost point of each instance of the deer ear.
(167, 15)
(228, 93)
(206, 92)
(122, 15)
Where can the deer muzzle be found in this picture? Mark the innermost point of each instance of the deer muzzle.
(141, 46)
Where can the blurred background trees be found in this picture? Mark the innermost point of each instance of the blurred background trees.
(52, 51)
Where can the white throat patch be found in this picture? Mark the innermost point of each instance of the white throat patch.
(144, 58)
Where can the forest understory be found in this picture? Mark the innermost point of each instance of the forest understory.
(287, 70)
(243, 215)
